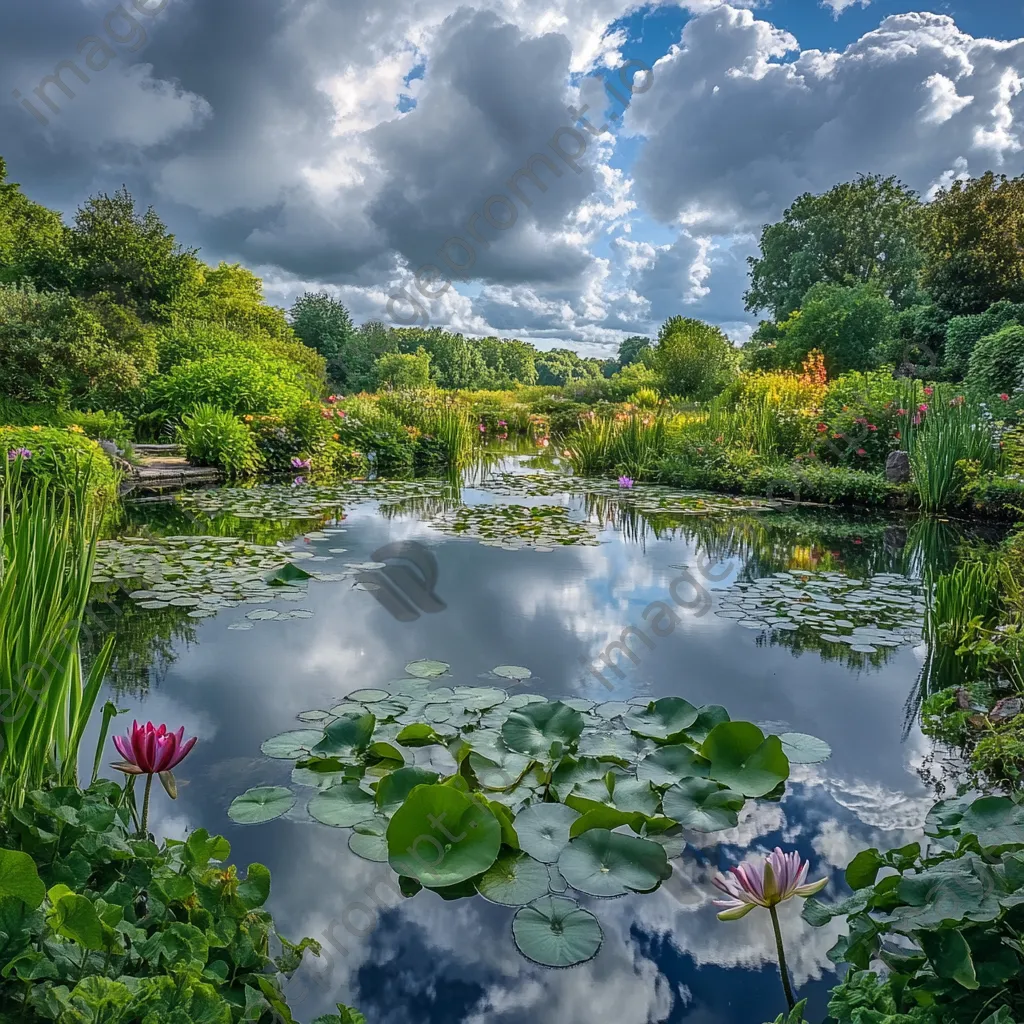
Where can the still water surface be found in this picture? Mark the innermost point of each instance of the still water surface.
(665, 957)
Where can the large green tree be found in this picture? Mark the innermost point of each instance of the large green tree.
(973, 241)
(864, 231)
(509, 360)
(32, 239)
(323, 323)
(560, 366)
(635, 349)
(851, 326)
(131, 257)
(694, 359)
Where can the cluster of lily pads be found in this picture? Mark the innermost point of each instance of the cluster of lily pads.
(203, 574)
(886, 610)
(649, 498)
(208, 574)
(469, 790)
(542, 527)
(311, 501)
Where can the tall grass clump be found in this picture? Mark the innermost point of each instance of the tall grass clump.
(47, 549)
(452, 426)
(639, 445)
(951, 431)
(591, 445)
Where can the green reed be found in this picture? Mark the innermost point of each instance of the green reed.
(591, 446)
(47, 549)
(952, 431)
(638, 445)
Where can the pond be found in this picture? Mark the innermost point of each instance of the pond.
(532, 572)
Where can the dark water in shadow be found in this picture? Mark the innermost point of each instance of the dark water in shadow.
(665, 956)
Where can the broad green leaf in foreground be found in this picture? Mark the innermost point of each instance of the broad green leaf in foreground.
(603, 863)
(744, 760)
(556, 932)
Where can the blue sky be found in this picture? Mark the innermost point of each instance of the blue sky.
(344, 144)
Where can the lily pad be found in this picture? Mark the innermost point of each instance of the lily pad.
(702, 805)
(290, 745)
(801, 748)
(543, 830)
(441, 837)
(556, 932)
(514, 880)
(427, 669)
(744, 760)
(263, 803)
(369, 846)
(342, 806)
(663, 718)
(516, 672)
(604, 863)
(346, 735)
(669, 764)
(533, 729)
(393, 789)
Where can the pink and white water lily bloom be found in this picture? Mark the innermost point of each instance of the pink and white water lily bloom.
(779, 877)
(150, 749)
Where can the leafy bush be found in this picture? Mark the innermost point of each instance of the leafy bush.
(694, 359)
(58, 350)
(379, 434)
(213, 437)
(402, 370)
(100, 426)
(964, 332)
(997, 362)
(956, 911)
(102, 925)
(59, 457)
(232, 383)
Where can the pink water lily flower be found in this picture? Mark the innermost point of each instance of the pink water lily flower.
(149, 749)
(779, 877)
(625, 482)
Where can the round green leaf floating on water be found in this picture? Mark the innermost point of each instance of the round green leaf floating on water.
(348, 734)
(514, 880)
(702, 805)
(441, 837)
(368, 696)
(556, 932)
(427, 669)
(801, 748)
(342, 806)
(512, 672)
(264, 803)
(603, 863)
(395, 787)
(532, 729)
(369, 846)
(668, 765)
(291, 745)
(543, 830)
(663, 718)
(744, 760)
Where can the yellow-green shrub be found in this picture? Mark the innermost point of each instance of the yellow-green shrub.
(58, 457)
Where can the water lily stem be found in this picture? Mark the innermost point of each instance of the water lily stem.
(783, 969)
(145, 832)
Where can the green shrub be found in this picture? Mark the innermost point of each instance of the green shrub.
(378, 435)
(964, 332)
(997, 362)
(100, 426)
(213, 437)
(59, 457)
(109, 926)
(232, 383)
(403, 370)
(694, 359)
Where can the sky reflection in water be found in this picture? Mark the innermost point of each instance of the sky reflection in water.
(665, 957)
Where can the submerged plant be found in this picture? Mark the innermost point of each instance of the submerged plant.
(779, 877)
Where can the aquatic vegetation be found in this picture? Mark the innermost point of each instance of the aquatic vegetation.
(885, 610)
(945, 920)
(779, 877)
(516, 526)
(470, 790)
(103, 927)
(276, 501)
(151, 750)
(47, 547)
(646, 498)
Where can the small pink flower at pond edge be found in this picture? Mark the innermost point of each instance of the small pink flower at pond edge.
(1004, 397)
(929, 391)
(780, 876)
(298, 463)
(18, 453)
(150, 749)
(626, 482)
